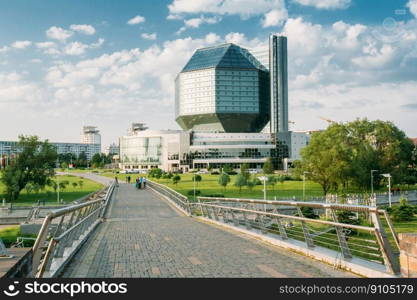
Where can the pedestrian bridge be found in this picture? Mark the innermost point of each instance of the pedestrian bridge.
(156, 232)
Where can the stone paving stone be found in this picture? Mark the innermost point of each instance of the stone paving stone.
(144, 237)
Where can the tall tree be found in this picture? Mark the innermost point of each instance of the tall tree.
(33, 165)
(345, 154)
(224, 180)
(240, 182)
(244, 170)
(97, 160)
(197, 178)
(268, 167)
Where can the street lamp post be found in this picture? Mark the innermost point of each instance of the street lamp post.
(372, 181)
(304, 184)
(264, 179)
(194, 186)
(57, 180)
(389, 187)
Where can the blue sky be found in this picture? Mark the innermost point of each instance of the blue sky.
(65, 64)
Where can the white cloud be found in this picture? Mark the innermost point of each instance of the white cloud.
(325, 4)
(83, 28)
(21, 44)
(4, 49)
(196, 22)
(412, 5)
(136, 20)
(75, 48)
(149, 36)
(78, 48)
(98, 44)
(377, 58)
(13, 88)
(58, 33)
(244, 8)
(174, 17)
(45, 45)
(275, 17)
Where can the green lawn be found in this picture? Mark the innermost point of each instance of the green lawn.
(10, 234)
(210, 186)
(69, 194)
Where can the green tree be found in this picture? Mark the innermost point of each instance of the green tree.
(244, 170)
(155, 173)
(82, 160)
(53, 184)
(402, 212)
(280, 179)
(345, 154)
(74, 184)
(272, 181)
(268, 167)
(80, 183)
(250, 184)
(308, 212)
(326, 158)
(63, 184)
(64, 165)
(227, 169)
(97, 160)
(34, 165)
(240, 182)
(197, 178)
(176, 178)
(224, 180)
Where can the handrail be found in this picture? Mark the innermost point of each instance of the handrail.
(346, 207)
(178, 199)
(290, 217)
(66, 229)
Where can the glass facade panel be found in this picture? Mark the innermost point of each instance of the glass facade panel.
(141, 150)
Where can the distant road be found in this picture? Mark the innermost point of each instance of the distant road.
(97, 178)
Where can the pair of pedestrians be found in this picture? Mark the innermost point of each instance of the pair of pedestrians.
(140, 183)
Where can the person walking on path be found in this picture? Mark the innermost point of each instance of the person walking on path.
(144, 182)
(137, 183)
(128, 179)
(116, 180)
(140, 181)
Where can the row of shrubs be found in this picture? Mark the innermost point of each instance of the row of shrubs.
(199, 194)
(402, 211)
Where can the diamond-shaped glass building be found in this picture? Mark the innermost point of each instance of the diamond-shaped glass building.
(222, 89)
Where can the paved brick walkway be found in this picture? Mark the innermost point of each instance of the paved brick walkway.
(145, 237)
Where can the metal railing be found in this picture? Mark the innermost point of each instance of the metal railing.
(285, 220)
(178, 199)
(64, 231)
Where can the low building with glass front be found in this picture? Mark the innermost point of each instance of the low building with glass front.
(147, 149)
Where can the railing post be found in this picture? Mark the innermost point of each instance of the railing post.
(46, 263)
(344, 246)
(216, 214)
(40, 241)
(234, 218)
(247, 223)
(307, 236)
(281, 227)
(390, 260)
